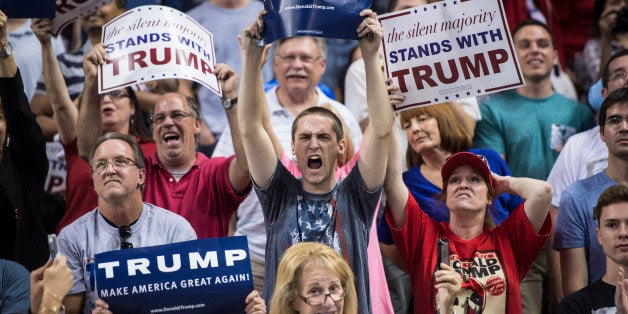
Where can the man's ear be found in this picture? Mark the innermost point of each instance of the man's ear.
(342, 146)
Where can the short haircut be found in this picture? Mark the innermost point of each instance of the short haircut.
(617, 96)
(195, 109)
(321, 111)
(606, 71)
(298, 260)
(138, 155)
(454, 138)
(320, 43)
(533, 22)
(613, 195)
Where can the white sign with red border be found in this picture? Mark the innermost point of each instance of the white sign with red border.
(156, 42)
(449, 50)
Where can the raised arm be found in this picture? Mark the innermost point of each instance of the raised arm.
(250, 109)
(89, 112)
(65, 112)
(394, 188)
(536, 193)
(373, 155)
(238, 169)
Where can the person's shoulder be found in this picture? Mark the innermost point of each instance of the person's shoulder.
(501, 98)
(490, 154)
(81, 222)
(562, 99)
(14, 269)
(585, 187)
(199, 10)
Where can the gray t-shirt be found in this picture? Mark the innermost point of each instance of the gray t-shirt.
(351, 212)
(575, 224)
(91, 234)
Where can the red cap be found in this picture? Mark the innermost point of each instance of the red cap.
(477, 162)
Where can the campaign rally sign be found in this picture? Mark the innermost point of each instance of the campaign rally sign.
(15, 9)
(449, 50)
(57, 168)
(154, 42)
(199, 276)
(67, 11)
(326, 18)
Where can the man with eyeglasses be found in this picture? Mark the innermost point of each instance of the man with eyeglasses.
(581, 256)
(121, 220)
(581, 260)
(205, 191)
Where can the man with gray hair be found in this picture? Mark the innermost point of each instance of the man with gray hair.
(121, 220)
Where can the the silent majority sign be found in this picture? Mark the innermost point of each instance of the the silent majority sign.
(156, 42)
(199, 276)
(449, 50)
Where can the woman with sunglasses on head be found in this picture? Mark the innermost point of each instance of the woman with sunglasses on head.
(313, 278)
(485, 264)
(119, 112)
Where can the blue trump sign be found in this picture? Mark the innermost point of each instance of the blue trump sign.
(200, 276)
(15, 9)
(327, 18)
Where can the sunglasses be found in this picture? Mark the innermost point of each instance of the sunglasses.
(125, 233)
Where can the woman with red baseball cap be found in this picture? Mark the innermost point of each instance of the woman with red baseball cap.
(484, 265)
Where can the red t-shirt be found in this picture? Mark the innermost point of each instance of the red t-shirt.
(204, 196)
(492, 264)
(80, 195)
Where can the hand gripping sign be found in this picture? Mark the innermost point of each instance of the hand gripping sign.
(449, 50)
(199, 276)
(155, 42)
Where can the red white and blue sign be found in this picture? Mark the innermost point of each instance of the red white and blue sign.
(199, 276)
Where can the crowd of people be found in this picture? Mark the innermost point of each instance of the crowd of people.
(513, 202)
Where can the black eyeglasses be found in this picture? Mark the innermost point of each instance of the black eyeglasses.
(125, 233)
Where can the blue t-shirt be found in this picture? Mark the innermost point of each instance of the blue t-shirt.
(15, 288)
(425, 194)
(575, 224)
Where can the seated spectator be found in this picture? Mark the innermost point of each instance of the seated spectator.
(204, 191)
(313, 278)
(610, 293)
(120, 221)
(510, 248)
(119, 112)
(581, 256)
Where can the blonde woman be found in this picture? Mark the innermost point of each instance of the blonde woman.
(313, 278)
